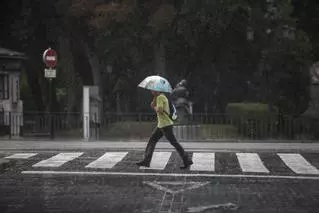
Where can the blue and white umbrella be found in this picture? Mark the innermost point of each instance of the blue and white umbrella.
(156, 83)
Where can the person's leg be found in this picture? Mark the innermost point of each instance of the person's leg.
(156, 135)
(168, 131)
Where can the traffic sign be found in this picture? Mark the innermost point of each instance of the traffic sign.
(50, 57)
(50, 73)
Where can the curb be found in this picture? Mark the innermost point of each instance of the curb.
(4, 164)
(145, 140)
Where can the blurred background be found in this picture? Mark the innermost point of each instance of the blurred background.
(251, 66)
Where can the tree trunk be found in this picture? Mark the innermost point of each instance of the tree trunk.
(35, 86)
(118, 103)
(127, 104)
(70, 80)
(159, 57)
(96, 73)
(95, 65)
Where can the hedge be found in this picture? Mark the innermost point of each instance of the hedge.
(253, 120)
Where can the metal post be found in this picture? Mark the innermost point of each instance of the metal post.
(96, 126)
(86, 112)
(10, 124)
(51, 110)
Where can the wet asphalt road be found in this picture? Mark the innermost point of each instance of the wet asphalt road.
(119, 193)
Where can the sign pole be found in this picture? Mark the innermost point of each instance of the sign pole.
(51, 109)
(50, 60)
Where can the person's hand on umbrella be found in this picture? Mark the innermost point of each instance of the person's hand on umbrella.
(153, 104)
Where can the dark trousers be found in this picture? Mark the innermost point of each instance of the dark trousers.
(156, 136)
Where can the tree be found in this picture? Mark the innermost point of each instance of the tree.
(203, 41)
(285, 62)
(307, 14)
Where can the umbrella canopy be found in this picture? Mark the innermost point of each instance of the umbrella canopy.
(156, 83)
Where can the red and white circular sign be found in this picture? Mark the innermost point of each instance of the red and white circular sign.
(50, 58)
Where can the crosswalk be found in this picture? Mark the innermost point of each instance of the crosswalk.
(203, 162)
(159, 160)
(247, 163)
(251, 162)
(58, 160)
(108, 160)
(298, 164)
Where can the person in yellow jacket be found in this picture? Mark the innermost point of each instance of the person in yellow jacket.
(164, 127)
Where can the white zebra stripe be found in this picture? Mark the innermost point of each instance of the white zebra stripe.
(203, 162)
(251, 162)
(21, 156)
(58, 160)
(108, 160)
(298, 164)
(159, 160)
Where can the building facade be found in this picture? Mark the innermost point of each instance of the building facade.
(11, 107)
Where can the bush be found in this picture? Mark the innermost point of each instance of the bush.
(306, 127)
(213, 131)
(248, 109)
(253, 120)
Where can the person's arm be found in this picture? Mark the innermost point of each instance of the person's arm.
(153, 104)
(159, 107)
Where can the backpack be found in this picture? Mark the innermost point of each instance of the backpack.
(173, 112)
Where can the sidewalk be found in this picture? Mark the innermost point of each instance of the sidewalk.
(273, 146)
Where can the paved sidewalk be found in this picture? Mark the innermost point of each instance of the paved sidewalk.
(226, 146)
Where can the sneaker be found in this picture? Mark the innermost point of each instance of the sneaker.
(187, 164)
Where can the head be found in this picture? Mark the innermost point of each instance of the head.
(155, 93)
(182, 83)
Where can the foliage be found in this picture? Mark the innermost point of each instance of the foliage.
(307, 13)
(252, 119)
(135, 130)
(26, 94)
(213, 131)
(204, 42)
(248, 109)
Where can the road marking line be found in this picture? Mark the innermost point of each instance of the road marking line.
(166, 186)
(167, 174)
(58, 159)
(108, 160)
(203, 162)
(298, 164)
(159, 161)
(21, 156)
(251, 162)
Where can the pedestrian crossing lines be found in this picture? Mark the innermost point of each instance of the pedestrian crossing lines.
(251, 162)
(203, 162)
(298, 164)
(159, 160)
(58, 160)
(246, 163)
(108, 160)
(21, 156)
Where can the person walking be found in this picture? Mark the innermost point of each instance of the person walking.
(164, 127)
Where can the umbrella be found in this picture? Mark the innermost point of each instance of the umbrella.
(156, 83)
